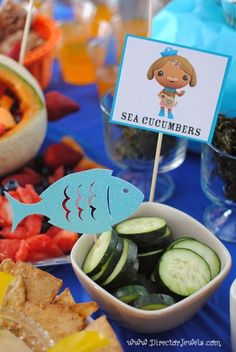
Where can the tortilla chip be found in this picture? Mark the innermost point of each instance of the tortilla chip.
(7, 265)
(60, 321)
(101, 325)
(41, 287)
(65, 298)
(84, 309)
(15, 297)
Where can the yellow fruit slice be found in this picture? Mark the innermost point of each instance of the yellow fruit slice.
(5, 281)
(83, 341)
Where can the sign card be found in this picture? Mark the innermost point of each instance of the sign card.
(169, 88)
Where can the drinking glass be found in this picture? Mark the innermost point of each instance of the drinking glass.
(134, 151)
(103, 52)
(218, 180)
(131, 18)
(75, 62)
(105, 49)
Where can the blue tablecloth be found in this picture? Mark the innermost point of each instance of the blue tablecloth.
(211, 323)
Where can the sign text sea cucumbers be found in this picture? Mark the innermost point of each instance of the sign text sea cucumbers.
(156, 123)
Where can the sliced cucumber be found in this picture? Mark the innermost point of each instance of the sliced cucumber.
(157, 242)
(142, 230)
(126, 269)
(204, 251)
(110, 264)
(100, 252)
(150, 254)
(178, 240)
(147, 261)
(153, 301)
(142, 280)
(128, 294)
(182, 271)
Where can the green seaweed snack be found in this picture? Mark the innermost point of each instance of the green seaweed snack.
(225, 140)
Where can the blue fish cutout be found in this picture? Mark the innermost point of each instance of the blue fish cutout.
(85, 202)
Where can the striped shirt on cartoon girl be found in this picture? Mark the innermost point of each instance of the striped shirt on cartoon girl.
(173, 72)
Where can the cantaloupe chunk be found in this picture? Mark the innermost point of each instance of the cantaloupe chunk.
(88, 164)
(73, 144)
(2, 129)
(6, 118)
(20, 143)
(6, 101)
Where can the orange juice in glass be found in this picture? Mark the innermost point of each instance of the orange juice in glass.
(103, 54)
(103, 13)
(137, 26)
(75, 62)
(131, 18)
(95, 12)
(106, 78)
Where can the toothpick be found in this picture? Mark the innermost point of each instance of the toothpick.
(26, 32)
(160, 135)
(155, 167)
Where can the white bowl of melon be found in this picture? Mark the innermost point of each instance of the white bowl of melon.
(23, 117)
(154, 271)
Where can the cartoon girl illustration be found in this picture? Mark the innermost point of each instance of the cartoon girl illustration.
(173, 72)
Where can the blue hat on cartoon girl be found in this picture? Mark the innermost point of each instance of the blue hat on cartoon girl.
(169, 52)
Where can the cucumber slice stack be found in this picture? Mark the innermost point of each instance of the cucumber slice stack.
(141, 265)
(126, 267)
(112, 261)
(149, 233)
(100, 252)
(110, 264)
(136, 227)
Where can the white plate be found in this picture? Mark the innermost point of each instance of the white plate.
(52, 262)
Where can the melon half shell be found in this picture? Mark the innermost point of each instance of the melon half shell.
(21, 143)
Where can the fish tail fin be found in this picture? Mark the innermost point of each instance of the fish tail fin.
(19, 210)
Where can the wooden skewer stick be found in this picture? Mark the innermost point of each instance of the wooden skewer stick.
(155, 167)
(26, 32)
(160, 135)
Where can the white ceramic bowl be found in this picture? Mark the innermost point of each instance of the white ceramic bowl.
(167, 318)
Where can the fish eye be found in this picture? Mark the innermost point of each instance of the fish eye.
(125, 190)
(185, 77)
(160, 73)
